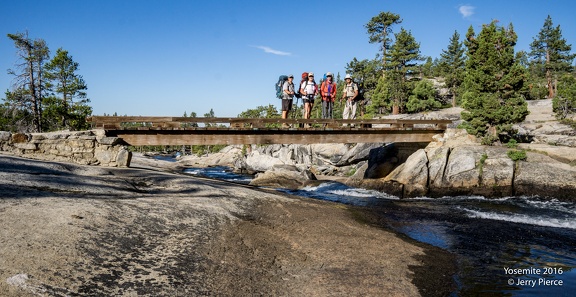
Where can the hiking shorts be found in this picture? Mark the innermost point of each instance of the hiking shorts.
(286, 104)
(308, 99)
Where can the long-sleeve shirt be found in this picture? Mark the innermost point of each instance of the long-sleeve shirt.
(328, 91)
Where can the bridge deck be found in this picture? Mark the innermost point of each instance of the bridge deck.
(204, 131)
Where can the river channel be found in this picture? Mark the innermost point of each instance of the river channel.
(513, 246)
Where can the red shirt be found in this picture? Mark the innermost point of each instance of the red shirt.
(328, 91)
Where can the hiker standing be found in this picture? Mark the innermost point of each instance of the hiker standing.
(308, 89)
(328, 92)
(350, 93)
(288, 94)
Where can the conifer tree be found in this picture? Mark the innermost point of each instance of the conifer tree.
(564, 104)
(423, 97)
(493, 81)
(379, 28)
(426, 70)
(69, 87)
(28, 83)
(551, 54)
(452, 61)
(402, 59)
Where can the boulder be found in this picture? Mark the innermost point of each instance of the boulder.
(227, 156)
(356, 179)
(283, 176)
(109, 140)
(381, 161)
(389, 187)
(123, 158)
(260, 162)
(462, 173)
(5, 136)
(497, 173)
(543, 176)
(328, 153)
(437, 159)
(357, 153)
(564, 154)
(413, 174)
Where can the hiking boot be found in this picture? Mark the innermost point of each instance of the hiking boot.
(284, 125)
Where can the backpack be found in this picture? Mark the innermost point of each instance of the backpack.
(281, 80)
(360, 86)
(304, 78)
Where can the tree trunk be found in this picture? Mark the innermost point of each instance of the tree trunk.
(550, 84)
(396, 107)
(549, 76)
(35, 102)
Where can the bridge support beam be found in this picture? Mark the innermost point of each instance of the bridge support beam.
(270, 136)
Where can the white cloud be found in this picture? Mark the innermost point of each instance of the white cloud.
(466, 10)
(270, 50)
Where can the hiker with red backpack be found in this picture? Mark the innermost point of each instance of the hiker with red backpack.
(308, 89)
(328, 92)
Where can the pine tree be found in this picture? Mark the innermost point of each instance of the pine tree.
(379, 101)
(67, 85)
(551, 54)
(402, 65)
(28, 83)
(493, 82)
(379, 27)
(564, 104)
(453, 62)
(427, 68)
(423, 97)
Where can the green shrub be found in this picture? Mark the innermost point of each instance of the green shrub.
(351, 172)
(482, 161)
(517, 155)
(512, 143)
(489, 139)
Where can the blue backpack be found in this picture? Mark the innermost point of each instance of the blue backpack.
(279, 85)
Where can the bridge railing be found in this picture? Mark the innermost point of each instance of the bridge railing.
(191, 123)
(207, 131)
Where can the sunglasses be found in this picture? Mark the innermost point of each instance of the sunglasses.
(310, 75)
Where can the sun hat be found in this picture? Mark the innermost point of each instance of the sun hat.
(348, 76)
(310, 73)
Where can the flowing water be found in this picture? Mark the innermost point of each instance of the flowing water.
(514, 246)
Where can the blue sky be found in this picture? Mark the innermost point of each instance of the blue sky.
(165, 57)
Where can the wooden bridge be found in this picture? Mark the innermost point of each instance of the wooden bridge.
(144, 130)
